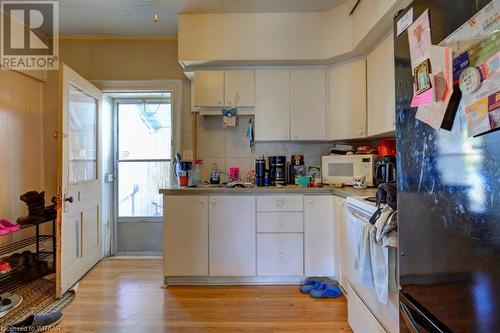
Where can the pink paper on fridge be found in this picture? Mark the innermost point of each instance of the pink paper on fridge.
(425, 98)
(419, 38)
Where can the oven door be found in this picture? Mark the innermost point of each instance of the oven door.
(336, 170)
(386, 314)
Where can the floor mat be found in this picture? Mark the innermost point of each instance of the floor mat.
(38, 297)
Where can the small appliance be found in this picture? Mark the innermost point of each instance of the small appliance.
(342, 168)
(277, 166)
(295, 168)
(260, 171)
(183, 172)
(385, 170)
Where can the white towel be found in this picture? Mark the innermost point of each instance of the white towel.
(365, 270)
(380, 267)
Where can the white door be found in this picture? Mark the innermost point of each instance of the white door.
(79, 234)
(186, 235)
(232, 236)
(308, 104)
(318, 235)
(340, 241)
(381, 97)
(239, 88)
(209, 88)
(347, 100)
(272, 105)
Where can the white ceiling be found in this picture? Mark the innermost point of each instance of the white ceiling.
(135, 17)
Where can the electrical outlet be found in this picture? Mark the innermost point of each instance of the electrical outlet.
(187, 154)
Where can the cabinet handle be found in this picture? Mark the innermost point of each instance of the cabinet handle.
(280, 220)
(219, 103)
(280, 203)
(228, 103)
(295, 136)
(310, 201)
(202, 201)
(394, 123)
(280, 254)
(360, 132)
(213, 201)
(285, 136)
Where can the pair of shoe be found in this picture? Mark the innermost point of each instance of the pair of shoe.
(319, 288)
(4, 267)
(9, 302)
(7, 227)
(37, 323)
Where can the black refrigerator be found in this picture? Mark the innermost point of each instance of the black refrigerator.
(448, 203)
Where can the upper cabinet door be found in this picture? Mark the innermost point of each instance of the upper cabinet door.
(308, 104)
(272, 105)
(381, 88)
(209, 88)
(347, 100)
(239, 88)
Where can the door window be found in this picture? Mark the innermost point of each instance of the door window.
(143, 151)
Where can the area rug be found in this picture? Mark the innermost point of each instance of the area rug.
(38, 297)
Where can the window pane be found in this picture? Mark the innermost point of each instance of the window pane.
(82, 136)
(144, 131)
(138, 186)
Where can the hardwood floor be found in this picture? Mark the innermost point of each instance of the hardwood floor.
(126, 296)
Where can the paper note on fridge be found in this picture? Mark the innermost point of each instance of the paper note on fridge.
(482, 109)
(419, 38)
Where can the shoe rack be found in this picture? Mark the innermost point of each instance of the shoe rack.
(18, 276)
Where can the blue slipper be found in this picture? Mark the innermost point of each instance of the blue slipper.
(308, 284)
(325, 290)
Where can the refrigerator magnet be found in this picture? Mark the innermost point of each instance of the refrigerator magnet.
(422, 77)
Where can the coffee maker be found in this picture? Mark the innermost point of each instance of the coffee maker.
(385, 168)
(295, 168)
(277, 167)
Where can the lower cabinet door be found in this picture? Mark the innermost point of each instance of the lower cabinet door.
(319, 247)
(232, 236)
(185, 235)
(280, 254)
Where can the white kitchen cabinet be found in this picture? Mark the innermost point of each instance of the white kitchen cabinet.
(239, 88)
(308, 104)
(340, 238)
(347, 100)
(280, 254)
(319, 235)
(280, 203)
(209, 89)
(232, 236)
(381, 88)
(272, 105)
(280, 222)
(185, 235)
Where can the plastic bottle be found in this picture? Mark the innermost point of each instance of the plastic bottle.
(197, 172)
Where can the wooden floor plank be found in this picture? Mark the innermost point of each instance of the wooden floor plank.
(126, 296)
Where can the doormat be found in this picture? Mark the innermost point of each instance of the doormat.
(38, 298)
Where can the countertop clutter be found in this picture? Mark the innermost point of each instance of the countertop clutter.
(343, 192)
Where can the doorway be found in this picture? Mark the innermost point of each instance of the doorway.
(143, 144)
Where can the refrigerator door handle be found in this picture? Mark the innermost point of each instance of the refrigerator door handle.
(408, 318)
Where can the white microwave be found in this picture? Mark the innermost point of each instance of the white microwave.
(341, 168)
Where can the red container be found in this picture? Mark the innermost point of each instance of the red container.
(183, 181)
(387, 148)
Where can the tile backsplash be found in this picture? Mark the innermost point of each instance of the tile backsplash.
(229, 147)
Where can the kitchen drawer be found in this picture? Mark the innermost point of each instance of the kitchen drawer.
(280, 222)
(272, 203)
(280, 255)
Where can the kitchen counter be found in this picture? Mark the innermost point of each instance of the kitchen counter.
(344, 192)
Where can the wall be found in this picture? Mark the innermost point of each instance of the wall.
(21, 142)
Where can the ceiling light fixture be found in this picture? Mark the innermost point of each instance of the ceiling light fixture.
(156, 17)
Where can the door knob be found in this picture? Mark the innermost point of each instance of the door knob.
(280, 203)
(69, 199)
